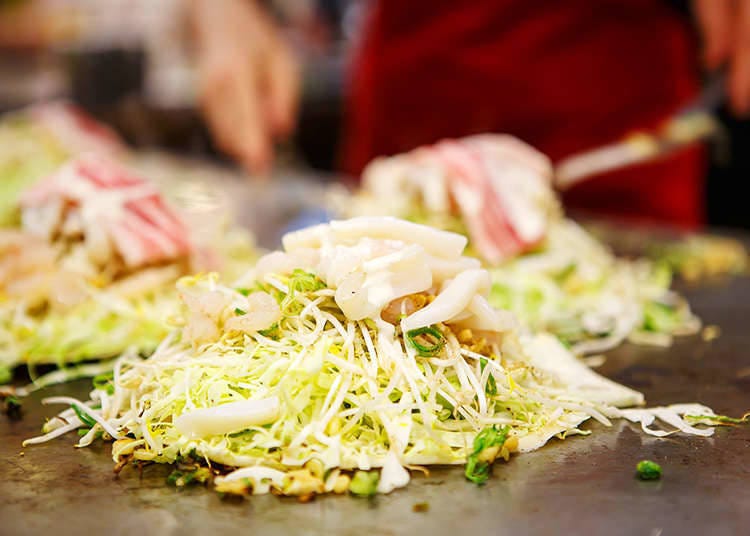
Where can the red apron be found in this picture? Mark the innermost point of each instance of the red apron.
(561, 75)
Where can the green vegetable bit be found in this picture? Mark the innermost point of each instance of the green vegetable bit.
(239, 312)
(12, 407)
(648, 470)
(427, 333)
(566, 272)
(660, 318)
(719, 419)
(6, 375)
(272, 332)
(487, 445)
(84, 417)
(364, 483)
(103, 382)
(180, 479)
(302, 281)
(491, 387)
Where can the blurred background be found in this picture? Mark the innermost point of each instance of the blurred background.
(130, 63)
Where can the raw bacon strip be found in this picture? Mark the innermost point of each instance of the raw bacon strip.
(102, 196)
(521, 178)
(500, 186)
(483, 214)
(158, 243)
(128, 244)
(154, 211)
(510, 197)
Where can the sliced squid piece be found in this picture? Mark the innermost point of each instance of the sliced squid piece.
(352, 298)
(276, 262)
(443, 269)
(486, 318)
(454, 299)
(261, 478)
(365, 292)
(228, 418)
(436, 242)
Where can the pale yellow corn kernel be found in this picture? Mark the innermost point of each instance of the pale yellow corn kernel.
(342, 484)
(504, 454)
(511, 444)
(710, 333)
(301, 482)
(465, 336)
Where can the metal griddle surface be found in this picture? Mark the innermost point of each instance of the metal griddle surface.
(583, 485)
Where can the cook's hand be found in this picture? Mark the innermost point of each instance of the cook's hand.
(725, 25)
(249, 81)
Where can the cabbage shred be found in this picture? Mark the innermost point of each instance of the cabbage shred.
(573, 287)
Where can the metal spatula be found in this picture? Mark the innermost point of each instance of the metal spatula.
(694, 123)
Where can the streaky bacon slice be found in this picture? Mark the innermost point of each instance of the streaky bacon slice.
(135, 218)
(499, 185)
(471, 187)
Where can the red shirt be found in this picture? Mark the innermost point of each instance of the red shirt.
(563, 76)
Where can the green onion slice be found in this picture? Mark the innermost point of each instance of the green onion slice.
(426, 333)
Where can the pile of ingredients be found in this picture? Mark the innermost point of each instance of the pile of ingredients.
(90, 270)
(364, 350)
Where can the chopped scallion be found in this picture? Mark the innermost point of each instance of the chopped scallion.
(487, 445)
(648, 470)
(434, 340)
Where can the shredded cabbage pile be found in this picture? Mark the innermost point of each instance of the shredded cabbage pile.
(361, 346)
(60, 306)
(702, 256)
(102, 326)
(575, 288)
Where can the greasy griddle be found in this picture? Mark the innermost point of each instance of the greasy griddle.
(583, 485)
